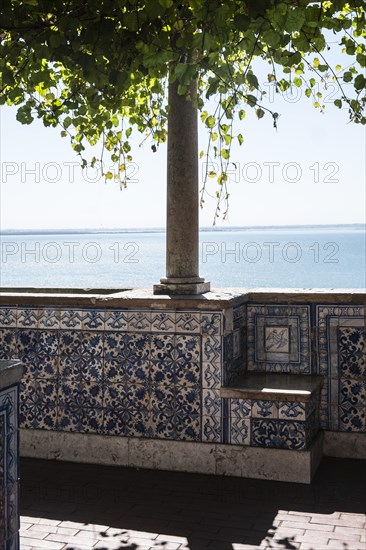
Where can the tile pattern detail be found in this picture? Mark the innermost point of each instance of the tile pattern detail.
(281, 434)
(279, 338)
(129, 372)
(2, 480)
(9, 524)
(342, 361)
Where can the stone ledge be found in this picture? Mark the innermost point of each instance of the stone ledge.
(204, 458)
(274, 387)
(144, 297)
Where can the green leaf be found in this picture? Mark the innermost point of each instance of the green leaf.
(338, 103)
(225, 154)
(295, 19)
(360, 82)
(347, 76)
(259, 113)
(196, 4)
(251, 99)
(253, 80)
(204, 115)
(240, 139)
(166, 3)
(210, 121)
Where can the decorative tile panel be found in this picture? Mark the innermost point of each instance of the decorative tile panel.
(279, 434)
(232, 371)
(186, 321)
(211, 323)
(238, 343)
(127, 410)
(240, 431)
(175, 359)
(292, 410)
(163, 321)
(341, 360)
(81, 355)
(116, 320)
(352, 352)
(212, 349)
(9, 520)
(139, 321)
(2, 480)
(239, 316)
(265, 409)
(211, 428)
(48, 319)
(279, 338)
(228, 347)
(8, 317)
(211, 402)
(71, 319)
(8, 343)
(352, 404)
(93, 320)
(80, 406)
(27, 318)
(211, 376)
(38, 351)
(351, 418)
(240, 408)
(38, 403)
(126, 357)
(176, 413)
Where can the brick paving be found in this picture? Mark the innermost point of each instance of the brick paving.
(67, 506)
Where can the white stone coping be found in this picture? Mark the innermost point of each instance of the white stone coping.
(144, 297)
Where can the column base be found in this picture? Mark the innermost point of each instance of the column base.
(189, 286)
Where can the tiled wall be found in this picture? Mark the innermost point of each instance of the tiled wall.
(329, 340)
(342, 361)
(279, 338)
(157, 373)
(138, 373)
(9, 469)
(275, 424)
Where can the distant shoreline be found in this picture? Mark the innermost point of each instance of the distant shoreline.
(114, 231)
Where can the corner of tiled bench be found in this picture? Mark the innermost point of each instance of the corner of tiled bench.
(281, 410)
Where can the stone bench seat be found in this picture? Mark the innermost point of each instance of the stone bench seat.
(277, 387)
(279, 410)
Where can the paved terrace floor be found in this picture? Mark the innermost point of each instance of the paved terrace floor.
(84, 507)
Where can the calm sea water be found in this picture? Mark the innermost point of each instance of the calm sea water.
(296, 257)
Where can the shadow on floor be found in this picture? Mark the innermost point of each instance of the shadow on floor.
(206, 510)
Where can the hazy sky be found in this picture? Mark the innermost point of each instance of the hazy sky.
(310, 171)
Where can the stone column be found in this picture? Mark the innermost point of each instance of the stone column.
(182, 241)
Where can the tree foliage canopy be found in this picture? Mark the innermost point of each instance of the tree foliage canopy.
(99, 68)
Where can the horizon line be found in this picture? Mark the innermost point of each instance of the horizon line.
(74, 230)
